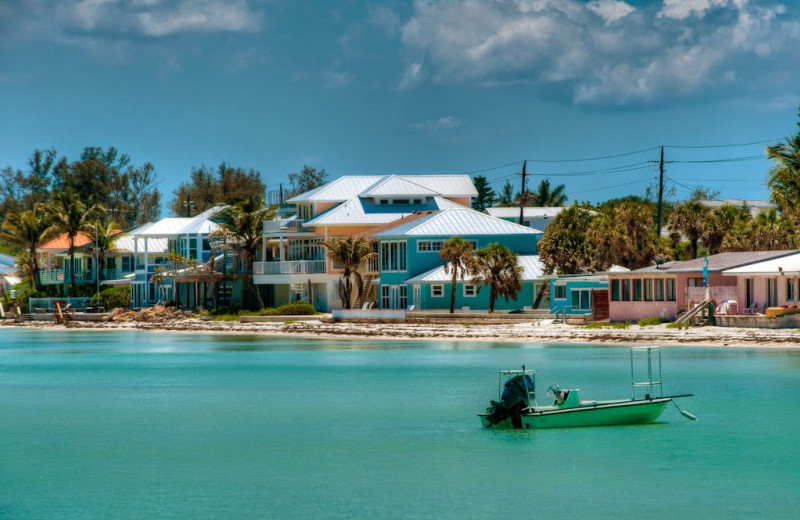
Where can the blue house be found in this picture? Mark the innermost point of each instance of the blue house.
(409, 260)
(581, 294)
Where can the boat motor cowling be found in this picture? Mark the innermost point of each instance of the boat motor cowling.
(515, 398)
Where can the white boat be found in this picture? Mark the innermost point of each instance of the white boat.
(517, 406)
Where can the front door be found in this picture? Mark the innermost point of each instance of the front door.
(417, 298)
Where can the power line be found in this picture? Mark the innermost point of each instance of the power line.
(721, 145)
(732, 159)
(610, 187)
(593, 158)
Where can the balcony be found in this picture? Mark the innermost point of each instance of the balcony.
(289, 267)
(282, 227)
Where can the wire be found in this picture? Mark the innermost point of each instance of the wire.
(721, 145)
(732, 159)
(593, 158)
(610, 187)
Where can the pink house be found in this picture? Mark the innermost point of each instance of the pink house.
(664, 290)
(771, 283)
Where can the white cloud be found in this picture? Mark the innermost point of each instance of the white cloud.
(603, 51)
(434, 126)
(203, 15)
(682, 9)
(610, 10)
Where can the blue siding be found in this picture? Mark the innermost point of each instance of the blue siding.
(565, 304)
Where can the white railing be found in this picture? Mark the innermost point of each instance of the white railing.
(49, 304)
(272, 227)
(289, 267)
(719, 294)
(61, 275)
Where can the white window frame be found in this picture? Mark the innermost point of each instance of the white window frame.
(437, 287)
(474, 290)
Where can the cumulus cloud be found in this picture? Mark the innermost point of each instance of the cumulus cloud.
(71, 19)
(434, 126)
(602, 51)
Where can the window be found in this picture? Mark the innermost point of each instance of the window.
(614, 290)
(385, 297)
(648, 290)
(469, 291)
(560, 292)
(403, 304)
(637, 290)
(437, 290)
(417, 201)
(393, 256)
(694, 282)
(626, 290)
(789, 289)
(434, 246)
(670, 289)
(581, 299)
(384, 202)
(659, 283)
(127, 263)
(400, 201)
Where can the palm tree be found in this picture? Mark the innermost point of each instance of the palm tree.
(721, 222)
(103, 237)
(784, 176)
(242, 227)
(459, 256)
(545, 197)
(28, 229)
(496, 266)
(349, 253)
(71, 216)
(689, 218)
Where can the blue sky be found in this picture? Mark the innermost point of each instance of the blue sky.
(409, 87)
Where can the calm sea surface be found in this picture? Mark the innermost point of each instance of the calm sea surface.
(117, 425)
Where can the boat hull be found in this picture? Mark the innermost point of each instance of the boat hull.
(598, 414)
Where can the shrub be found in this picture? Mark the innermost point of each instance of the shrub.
(113, 297)
(675, 325)
(644, 322)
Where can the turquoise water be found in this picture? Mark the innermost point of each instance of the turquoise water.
(142, 425)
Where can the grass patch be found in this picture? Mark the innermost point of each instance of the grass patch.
(606, 325)
(675, 325)
(290, 322)
(646, 322)
(225, 317)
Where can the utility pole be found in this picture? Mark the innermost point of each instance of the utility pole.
(280, 193)
(522, 194)
(660, 190)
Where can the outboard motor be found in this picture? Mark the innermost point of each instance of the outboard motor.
(513, 401)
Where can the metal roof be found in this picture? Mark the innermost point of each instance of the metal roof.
(351, 186)
(785, 265)
(716, 263)
(174, 226)
(357, 212)
(513, 212)
(458, 221)
(532, 269)
(395, 186)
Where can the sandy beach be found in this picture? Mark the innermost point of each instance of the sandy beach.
(525, 332)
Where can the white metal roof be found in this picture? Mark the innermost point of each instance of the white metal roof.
(513, 212)
(458, 221)
(356, 212)
(396, 186)
(532, 269)
(786, 265)
(351, 186)
(173, 226)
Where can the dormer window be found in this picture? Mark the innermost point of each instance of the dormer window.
(417, 201)
(400, 201)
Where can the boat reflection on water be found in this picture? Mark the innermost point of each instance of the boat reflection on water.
(517, 406)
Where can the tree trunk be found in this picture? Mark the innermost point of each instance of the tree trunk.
(72, 262)
(453, 292)
(37, 277)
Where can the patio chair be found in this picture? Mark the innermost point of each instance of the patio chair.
(750, 309)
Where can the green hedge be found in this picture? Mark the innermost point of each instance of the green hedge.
(114, 297)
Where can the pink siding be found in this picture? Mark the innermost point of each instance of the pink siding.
(636, 310)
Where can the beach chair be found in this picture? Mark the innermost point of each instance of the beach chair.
(750, 309)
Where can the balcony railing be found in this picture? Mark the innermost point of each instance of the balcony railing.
(277, 227)
(291, 267)
(61, 275)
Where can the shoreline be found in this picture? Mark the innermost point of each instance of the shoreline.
(526, 332)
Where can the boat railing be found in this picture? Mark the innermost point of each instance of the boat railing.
(650, 383)
(507, 374)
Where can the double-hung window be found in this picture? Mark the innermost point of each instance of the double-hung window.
(393, 256)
